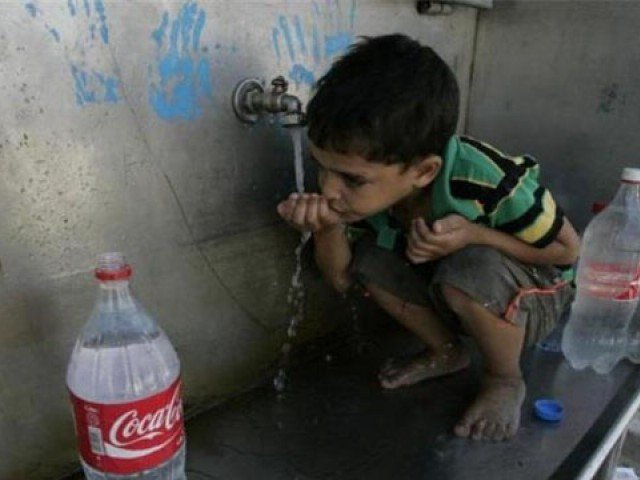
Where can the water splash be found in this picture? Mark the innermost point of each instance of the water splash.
(359, 342)
(295, 295)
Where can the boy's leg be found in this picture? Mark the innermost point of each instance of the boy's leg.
(495, 413)
(444, 355)
(503, 304)
(398, 289)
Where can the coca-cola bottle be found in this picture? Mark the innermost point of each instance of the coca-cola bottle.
(124, 383)
(608, 282)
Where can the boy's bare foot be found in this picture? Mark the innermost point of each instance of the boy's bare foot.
(495, 413)
(425, 365)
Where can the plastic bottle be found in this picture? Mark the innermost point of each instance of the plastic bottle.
(124, 383)
(608, 282)
(633, 343)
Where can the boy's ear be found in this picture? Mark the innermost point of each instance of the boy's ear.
(426, 170)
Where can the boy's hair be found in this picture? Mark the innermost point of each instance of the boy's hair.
(389, 100)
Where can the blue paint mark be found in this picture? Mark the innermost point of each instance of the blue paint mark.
(198, 31)
(330, 34)
(110, 86)
(95, 87)
(234, 49)
(275, 34)
(104, 30)
(159, 33)
(204, 75)
(187, 13)
(301, 75)
(352, 15)
(54, 33)
(337, 43)
(83, 93)
(316, 44)
(284, 25)
(90, 86)
(184, 79)
(298, 27)
(31, 8)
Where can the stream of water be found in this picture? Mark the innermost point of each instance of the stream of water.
(295, 296)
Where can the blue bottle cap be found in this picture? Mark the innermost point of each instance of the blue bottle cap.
(548, 410)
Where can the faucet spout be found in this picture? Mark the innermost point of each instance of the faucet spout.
(250, 100)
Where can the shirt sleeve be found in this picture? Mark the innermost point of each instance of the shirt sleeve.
(530, 214)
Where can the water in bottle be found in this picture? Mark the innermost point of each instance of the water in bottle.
(608, 282)
(124, 383)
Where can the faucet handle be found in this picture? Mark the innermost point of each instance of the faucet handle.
(280, 84)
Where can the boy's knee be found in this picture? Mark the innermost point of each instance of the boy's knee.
(382, 297)
(456, 299)
(341, 283)
(473, 260)
(462, 277)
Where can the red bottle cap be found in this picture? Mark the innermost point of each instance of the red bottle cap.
(113, 266)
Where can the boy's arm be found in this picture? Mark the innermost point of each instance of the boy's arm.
(563, 250)
(333, 256)
(454, 232)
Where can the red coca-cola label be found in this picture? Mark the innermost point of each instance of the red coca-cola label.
(125, 438)
(613, 281)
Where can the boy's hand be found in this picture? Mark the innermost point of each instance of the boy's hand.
(447, 235)
(308, 212)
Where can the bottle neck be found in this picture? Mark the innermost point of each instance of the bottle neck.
(115, 295)
(628, 195)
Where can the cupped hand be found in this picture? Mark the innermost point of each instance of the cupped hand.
(308, 212)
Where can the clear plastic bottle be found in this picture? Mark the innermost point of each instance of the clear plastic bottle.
(633, 344)
(124, 383)
(608, 282)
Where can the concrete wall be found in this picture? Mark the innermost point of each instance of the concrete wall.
(116, 135)
(559, 79)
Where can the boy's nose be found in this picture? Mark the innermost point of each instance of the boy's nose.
(330, 187)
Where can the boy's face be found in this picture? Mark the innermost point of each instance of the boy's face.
(357, 188)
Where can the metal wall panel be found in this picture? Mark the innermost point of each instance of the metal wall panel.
(560, 80)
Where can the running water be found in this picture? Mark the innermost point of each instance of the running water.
(295, 297)
(296, 137)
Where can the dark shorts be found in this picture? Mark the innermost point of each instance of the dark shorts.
(532, 296)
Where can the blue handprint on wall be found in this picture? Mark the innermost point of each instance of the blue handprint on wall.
(85, 39)
(183, 78)
(308, 49)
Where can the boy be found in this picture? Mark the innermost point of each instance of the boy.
(452, 235)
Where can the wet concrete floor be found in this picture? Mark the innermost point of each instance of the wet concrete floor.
(334, 422)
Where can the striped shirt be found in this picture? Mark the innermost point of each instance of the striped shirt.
(488, 187)
(485, 186)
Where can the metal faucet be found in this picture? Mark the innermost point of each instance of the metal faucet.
(250, 100)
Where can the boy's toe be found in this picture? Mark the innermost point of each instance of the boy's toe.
(477, 431)
(489, 430)
(498, 434)
(464, 427)
(387, 371)
(511, 429)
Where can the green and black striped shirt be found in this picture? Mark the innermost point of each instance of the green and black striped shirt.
(488, 187)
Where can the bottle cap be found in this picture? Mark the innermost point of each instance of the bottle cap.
(113, 266)
(548, 410)
(631, 175)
